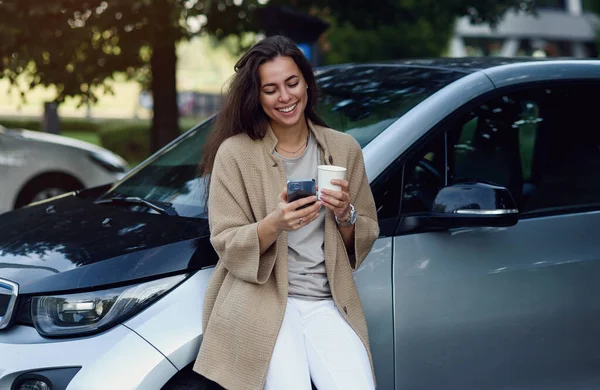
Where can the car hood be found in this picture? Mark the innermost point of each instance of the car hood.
(71, 243)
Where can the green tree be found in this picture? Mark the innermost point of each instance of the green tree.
(392, 29)
(416, 39)
(79, 45)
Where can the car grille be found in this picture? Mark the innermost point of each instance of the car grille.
(8, 298)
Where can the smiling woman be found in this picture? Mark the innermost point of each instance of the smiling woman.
(268, 132)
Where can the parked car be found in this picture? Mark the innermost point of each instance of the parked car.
(486, 177)
(36, 166)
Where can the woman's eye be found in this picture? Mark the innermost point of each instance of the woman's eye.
(292, 85)
(269, 92)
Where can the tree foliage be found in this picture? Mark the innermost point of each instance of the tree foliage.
(392, 29)
(373, 14)
(79, 45)
(76, 44)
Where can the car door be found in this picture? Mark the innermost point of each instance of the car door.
(374, 280)
(516, 307)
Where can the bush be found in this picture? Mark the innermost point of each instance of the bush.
(67, 125)
(130, 141)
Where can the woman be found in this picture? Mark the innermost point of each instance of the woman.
(282, 307)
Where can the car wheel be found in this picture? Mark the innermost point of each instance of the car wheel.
(46, 186)
(187, 379)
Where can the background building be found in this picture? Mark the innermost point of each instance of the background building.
(560, 28)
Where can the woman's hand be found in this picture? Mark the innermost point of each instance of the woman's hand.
(337, 201)
(287, 218)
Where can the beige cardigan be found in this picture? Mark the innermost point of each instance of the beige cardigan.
(246, 297)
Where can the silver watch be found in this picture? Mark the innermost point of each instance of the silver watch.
(351, 219)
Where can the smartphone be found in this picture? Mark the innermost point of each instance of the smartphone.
(298, 189)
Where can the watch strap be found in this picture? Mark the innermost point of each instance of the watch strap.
(351, 218)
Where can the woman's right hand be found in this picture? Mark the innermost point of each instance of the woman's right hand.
(287, 218)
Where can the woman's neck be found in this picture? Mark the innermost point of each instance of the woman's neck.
(291, 135)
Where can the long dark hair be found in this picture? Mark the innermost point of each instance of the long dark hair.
(241, 111)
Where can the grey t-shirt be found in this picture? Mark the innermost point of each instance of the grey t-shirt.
(306, 256)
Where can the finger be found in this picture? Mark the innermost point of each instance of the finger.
(332, 208)
(283, 194)
(342, 183)
(297, 223)
(312, 214)
(303, 221)
(336, 203)
(313, 217)
(340, 195)
(304, 201)
(314, 208)
(335, 209)
(306, 212)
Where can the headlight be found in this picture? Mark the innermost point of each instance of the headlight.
(89, 312)
(109, 162)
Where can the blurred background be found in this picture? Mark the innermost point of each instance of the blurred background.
(131, 75)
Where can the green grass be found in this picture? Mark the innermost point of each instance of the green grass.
(92, 138)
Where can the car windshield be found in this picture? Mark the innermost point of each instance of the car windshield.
(359, 100)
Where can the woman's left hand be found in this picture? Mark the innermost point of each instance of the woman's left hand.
(337, 201)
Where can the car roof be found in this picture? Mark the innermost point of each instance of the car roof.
(461, 64)
(502, 71)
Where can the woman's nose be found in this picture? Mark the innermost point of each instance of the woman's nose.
(284, 96)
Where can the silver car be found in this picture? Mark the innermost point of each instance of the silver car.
(486, 175)
(36, 166)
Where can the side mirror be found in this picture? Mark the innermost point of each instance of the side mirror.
(466, 204)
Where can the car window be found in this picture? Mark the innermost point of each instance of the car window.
(365, 100)
(172, 176)
(424, 176)
(485, 145)
(565, 167)
(361, 101)
(540, 143)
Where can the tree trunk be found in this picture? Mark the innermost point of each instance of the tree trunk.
(165, 120)
(50, 120)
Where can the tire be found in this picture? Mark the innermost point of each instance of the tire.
(187, 379)
(47, 186)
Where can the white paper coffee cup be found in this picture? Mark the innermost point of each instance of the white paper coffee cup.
(326, 173)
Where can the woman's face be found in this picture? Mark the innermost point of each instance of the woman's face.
(283, 94)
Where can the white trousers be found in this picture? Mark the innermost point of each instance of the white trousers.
(315, 342)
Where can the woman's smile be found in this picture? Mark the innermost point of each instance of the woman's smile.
(288, 109)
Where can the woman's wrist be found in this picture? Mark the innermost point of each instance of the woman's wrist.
(345, 215)
(347, 220)
(270, 225)
(267, 233)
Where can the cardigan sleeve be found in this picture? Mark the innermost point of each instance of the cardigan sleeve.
(233, 228)
(366, 229)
